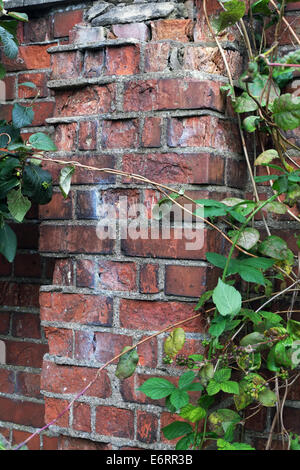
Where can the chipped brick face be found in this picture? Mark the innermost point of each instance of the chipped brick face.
(127, 96)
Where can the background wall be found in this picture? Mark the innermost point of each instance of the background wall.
(143, 98)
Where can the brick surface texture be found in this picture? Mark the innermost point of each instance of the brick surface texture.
(144, 98)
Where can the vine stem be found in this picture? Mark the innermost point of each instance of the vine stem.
(286, 23)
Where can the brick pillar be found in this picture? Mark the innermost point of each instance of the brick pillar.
(151, 107)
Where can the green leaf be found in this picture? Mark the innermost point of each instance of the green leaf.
(157, 388)
(267, 397)
(127, 364)
(206, 374)
(295, 442)
(179, 398)
(185, 443)
(227, 299)
(276, 207)
(175, 342)
(10, 47)
(2, 72)
(18, 16)
(247, 238)
(293, 328)
(274, 247)
(22, 116)
(65, 179)
(261, 7)
(234, 11)
(230, 387)
(8, 242)
(286, 111)
(37, 184)
(263, 178)
(213, 388)
(254, 340)
(266, 157)
(244, 104)
(271, 361)
(250, 123)
(28, 84)
(258, 263)
(186, 379)
(217, 326)
(18, 204)
(250, 274)
(176, 429)
(222, 375)
(224, 445)
(42, 141)
(204, 298)
(197, 414)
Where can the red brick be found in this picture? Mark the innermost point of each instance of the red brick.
(28, 384)
(285, 36)
(82, 417)
(73, 239)
(101, 347)
(7, 381)
(5, 266)
(28, 265)
(120, 134)
(209, 60)
(94, 63)
(71, 443)
(65, 137)
(19, 295)
(60, 341)
(53, 408)
(40, 81)
(189, 281)
(203, 131)
(175, 29)
(130, 393)
(123, 60)
(87, 139)
(67, 64)
(156, 56)
(5, 322)
(57, 208)
(192, 168)
(30, 57)
(87, 204)
(78, 308)
(151, 136)
(6, 112)
(118, 276)
(154, 316)
(21, 412)
(64, 21)
(85, 273)
(118, 196)
(21, 436)
(72, 379)
(292, 6)
(63, 272)
(147, 425)
(25, 353)
(26, 325)
(85, 101)
(256, 422)
(50, 443)
(291, 419)
(42, 111)
(148, 353)
(172, 93)
(38, 30)
(10, 87)
(149, 279)
(116, 422)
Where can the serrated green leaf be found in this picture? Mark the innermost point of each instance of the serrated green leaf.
(227, 299)
(10, 47)
(230, 387)
(222, 375)
(197, 414)
(18, 204)
(185, 443)
(22, 116)
(157, 388)
(247, 238)
(234, 11)
(42, 141)
(274, 247)
(286, 112)
(186, 379)
(176, 429)
(179, 398)
(213, 388)
(276, 207)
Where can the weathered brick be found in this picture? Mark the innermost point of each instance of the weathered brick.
(120, 133)
(53, 408)
(123, 60)
(5, 323)
(65, 137)
(86, 205)
(73, 239)
(172, 93)
(149, 279)
(139, 31)
(28, 384)
(78, 308)
(82, 417)
(189, 281)
(209, 60)
(148, 353)
(64, 21)
(175, 29)
(71, 379)
(60, 341)
(85, 101)
(7, 381)
(192, 168)
(66, 64)
(204, 131)
(42, 111)
(147, 425)
(57, 208)
(37, 30)
(30, 57)
(19, 294)
(114, 275)
(284, 36)
(63, 272)
(154, 316)
(71, 443)
(23, 261)
(116, 422)
(10, 88)
(87, 138)
(25, 353)
(94, 63)
(151, 134)
(21, 412)
(99, 346)
(26, 325)
(40, 82)
(156, 56)
(85, 273)
(20, 436)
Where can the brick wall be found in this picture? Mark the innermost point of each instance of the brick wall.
(140, 96)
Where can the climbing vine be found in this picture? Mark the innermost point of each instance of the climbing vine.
(251, 351)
